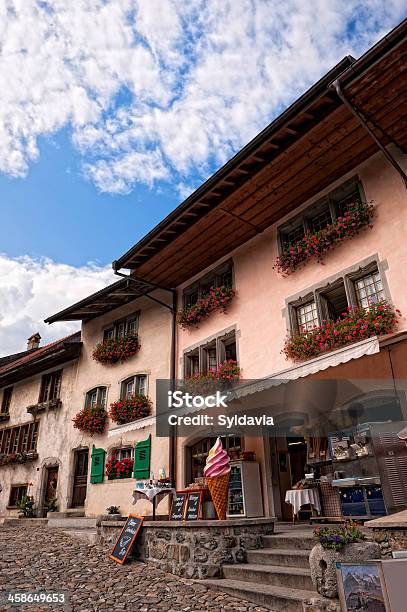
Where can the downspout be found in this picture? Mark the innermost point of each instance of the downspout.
(173, 309)
(364, 123)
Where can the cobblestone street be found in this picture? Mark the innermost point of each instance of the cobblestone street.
(37, 558)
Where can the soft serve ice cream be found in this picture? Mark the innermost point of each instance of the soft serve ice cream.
(217, 473)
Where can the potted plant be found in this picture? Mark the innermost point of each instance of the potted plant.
(217, 298)
(130, 409)
(119, 468)
(26, 507)
(345, 542)
(91, 420)
(113, 513)
(116, 349)
(51, 505)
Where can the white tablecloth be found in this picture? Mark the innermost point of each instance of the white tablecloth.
(300, 497)
(151, 494)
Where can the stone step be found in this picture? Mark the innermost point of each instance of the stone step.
(72, 523)
(296, 542)
(276, 598)
(87, 535)
(274, 575)
(287, 557)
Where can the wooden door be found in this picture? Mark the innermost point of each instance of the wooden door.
(51, 483)
(80, 478)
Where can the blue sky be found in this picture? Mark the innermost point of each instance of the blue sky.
(112, 111)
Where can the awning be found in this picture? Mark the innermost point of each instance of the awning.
(318, 364)
(139, 424)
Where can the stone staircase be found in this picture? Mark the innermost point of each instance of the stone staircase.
(277, 576)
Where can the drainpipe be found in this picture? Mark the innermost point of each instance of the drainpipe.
(364, 123)
(173, 309)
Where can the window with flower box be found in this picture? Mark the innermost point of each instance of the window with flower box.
(210, 355)
(220, 277)
(17, 492)
(356, 289)
(135, 385)
(127, 452)
(96, 397)
(122, 328)
(6, 400)
(320, 214)
(50, 386)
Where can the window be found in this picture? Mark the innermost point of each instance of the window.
(19, 439)
(6, 401)
(124, 453)
(134, 385)
(307, 316)
(50, 386)
(17, 492)
(124, 327)
(223, 275)
(369, 289)
(96, 397)
(320, 214)
(210, 355)
(330, 302)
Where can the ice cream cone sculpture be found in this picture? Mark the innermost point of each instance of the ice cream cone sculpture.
(217, 473)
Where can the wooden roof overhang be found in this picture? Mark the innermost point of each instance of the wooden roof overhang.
(118, 294)
(313, 143)
(62, 353)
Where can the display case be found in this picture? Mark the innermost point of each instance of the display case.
(245, 498)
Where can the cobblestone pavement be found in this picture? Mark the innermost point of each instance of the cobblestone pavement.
(37, 558)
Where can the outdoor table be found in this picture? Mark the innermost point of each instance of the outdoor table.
(152, 494)
(301, 497)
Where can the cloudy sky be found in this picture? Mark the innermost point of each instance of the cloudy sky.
(113, 111)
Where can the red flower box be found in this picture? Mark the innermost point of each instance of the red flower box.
(313, 246)
(91, 420)
(205, 383)
(116, 349)
(354, 325)
(130, 409)
(116, 468)
(218, 298)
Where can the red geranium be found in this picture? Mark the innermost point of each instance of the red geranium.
(354, 325)
(116, 468)
(91, 420)
(218, 298)
(116, 349)
(130, 409)
(314, 245)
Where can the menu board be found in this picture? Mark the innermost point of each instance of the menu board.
(178, 505)
(193, 509)
(126, 538)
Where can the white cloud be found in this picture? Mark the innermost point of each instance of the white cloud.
(165, 89)
(32, 289)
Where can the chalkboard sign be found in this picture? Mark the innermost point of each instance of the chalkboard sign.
(126, 538)
(178, 504)
(194, 506)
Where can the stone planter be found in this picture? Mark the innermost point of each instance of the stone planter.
(323, 564)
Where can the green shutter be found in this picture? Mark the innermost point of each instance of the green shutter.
(97, 468)
(142, 454)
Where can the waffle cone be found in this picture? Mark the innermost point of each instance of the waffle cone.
(219, 488)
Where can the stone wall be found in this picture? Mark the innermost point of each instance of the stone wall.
(390, 532)
(193, 550)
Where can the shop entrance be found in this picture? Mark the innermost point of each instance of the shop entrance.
(80, 478)
(290, 457)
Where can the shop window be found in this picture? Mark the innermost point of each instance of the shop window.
(17, 492)
(210, 355)
(50, 386)
(223, 275)
(134, 385)
(6, 401)
(96, 397)
(369, 289)
(199, 452)
(123, 327)
(320, 214)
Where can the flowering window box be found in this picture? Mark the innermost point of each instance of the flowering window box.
(4, 416)
(114, 350)
(22, 457)
(314, 245)
(119, 468)
(218, 298)
(353, 326)
(223, 375)
(52, 404)
(130, 409)
(92, 420)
